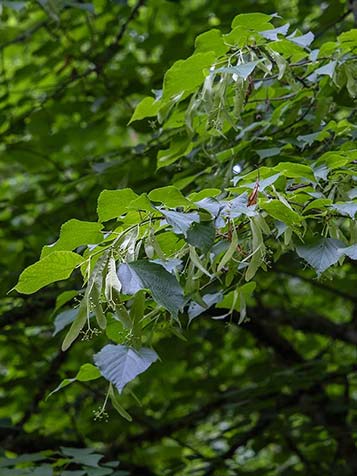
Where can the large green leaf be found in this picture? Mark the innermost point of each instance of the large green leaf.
(254, 21)
(113, 203)
(169, 196)
(281, 212)
(54, 267)
(75, 233)
(211, 41)
(186, 75)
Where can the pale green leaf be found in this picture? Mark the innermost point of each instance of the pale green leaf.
(185, 76)
(147, 107)
(87, 372)
(211, 41)
(281, 212)
(170, 196)
(75, 233)
(54, 267)
(113, 203)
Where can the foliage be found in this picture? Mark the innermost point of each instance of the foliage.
(226, 196)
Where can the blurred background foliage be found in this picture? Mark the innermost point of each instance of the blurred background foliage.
(275, 396)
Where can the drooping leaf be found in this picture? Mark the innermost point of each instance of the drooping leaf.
(112, 283)
(273, 34)
(243, 70)
(257, 249)
(239, 206)
(201, 235)
(346, 208)
(77, 324)
(178, 148)
(120, 364)
(118, 407)
(350, 251)
(321, 255)
(302, 40)
(163, 286)
(57, 266)
(209, 300)
(130, 281)
(180, 221)
(63, 319)
(171, 265)
(328, 70)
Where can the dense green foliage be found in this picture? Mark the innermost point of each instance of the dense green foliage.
(185, 173)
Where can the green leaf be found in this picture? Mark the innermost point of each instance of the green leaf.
(141, 203)
(169, 196)
(254, 21)
(163, 286)
(118, 407)
(75, 233)
(113, 203)
(230, 252)
(54, 267)
(295, 170)
(185, 76)
(147, 107)
(230, 301)
(211, 41)
(87, 372)
(207, 192)
(201, 235)
(195, 259)
(178, 148)
(258, 250)
(115, 330)
(321, 255)
(77, 324)
(96, 306)
(281, 212)
(63, 298)
(63, 384)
